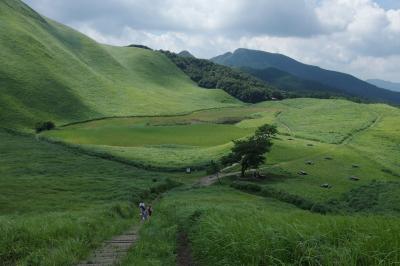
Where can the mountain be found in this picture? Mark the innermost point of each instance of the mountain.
(186, 54)
(346, 83)
(51, 72)
(393, 86)
(296, 86)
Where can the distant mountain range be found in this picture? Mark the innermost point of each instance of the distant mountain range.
(393, 86)
(256, 62)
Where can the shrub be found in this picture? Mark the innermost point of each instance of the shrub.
(43, 126)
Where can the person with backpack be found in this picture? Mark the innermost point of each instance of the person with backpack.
(143, 210)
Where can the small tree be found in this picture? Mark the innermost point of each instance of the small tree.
(250, 153)
(268, 131)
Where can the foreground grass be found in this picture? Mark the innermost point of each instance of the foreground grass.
(56, 205)
(231, 228)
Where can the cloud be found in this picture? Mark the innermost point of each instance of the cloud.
(355, 36)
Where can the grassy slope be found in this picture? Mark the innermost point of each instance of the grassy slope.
(50, 71)
(55, 199)
(227, 227)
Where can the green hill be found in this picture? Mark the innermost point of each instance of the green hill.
(51, 72)
(346, 83)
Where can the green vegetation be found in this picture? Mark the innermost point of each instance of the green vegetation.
(232, 228)
(42, 126)
(199, 135)
(296, 87)
(349, 85)
(327, 195)
(250, 152)
(238, 84)
(50, 72)
(59, 200)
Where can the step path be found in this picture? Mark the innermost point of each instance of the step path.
(113, 250)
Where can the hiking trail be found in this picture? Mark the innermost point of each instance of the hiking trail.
(112, 251)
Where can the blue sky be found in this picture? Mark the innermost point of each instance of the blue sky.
(388, 4)
(360, 37)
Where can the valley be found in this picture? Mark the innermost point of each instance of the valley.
(129, 124)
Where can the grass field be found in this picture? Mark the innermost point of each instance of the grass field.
(335, 128)
(227, 227)
(55, 199)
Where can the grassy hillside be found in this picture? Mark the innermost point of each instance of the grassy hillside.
(51, 72)
(55, 199)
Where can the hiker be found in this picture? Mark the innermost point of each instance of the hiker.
(143, 210)
(149, 211)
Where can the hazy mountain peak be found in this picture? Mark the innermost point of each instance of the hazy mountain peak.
(186, 53)
(393, 86)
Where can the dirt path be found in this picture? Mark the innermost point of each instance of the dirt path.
(184, 251)
(113, 250)
(211, 179)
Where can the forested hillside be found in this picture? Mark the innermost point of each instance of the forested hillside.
(238, 84)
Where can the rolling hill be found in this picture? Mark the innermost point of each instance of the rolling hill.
(348, 84)
(51, 72)
(393, 86)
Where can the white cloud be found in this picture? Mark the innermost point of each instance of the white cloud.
(355, 36)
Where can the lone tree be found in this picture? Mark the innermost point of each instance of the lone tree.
(250, 152)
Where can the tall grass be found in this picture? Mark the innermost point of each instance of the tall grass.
(259, 237)
(60, 238)
(57, 204)
(233, 228)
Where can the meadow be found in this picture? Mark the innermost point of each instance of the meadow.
(128, 123)
(53, 198)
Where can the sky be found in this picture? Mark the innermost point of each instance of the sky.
(360, 37)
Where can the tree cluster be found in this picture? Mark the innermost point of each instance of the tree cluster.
(236, 83)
